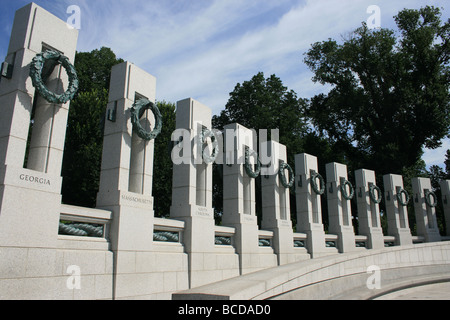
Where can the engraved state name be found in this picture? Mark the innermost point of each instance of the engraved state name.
(35, 180)
(136, 199)
(202, 211)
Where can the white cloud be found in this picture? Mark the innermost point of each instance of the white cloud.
(437, 156)
(202, 49)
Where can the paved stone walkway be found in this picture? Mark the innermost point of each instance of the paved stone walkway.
(439, 291)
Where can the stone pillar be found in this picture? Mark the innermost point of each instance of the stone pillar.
(445, 191)
(276, 209)
(424, 208)
(339, 208)
(368, 199)
(30, 196)
(126, 178)
(397, 214)
(239, 207)
(192, 196)
(309, 206)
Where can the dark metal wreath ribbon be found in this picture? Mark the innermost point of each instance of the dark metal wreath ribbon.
(343, 187)
(400, 198)
(206, 133)
(318, 190)
(137, 111)
(248, 167)
(283, 167)
(428, 196)
(375, 198)
(37, 66)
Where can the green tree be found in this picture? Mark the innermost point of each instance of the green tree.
(389, 96)
(83, 151)
(163, 165)
(94, 68)
(264, 104)
(84, 137)
(267, 104)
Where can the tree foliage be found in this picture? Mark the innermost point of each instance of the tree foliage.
(266, 104)
(447, 164)
(262, 103)
(83, 151)
(390, 95)
(163, 165)
(84, 137)
(94, 68)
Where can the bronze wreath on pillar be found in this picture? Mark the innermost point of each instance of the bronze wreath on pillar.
(137, 111)
(343, 187)
(248, 167)
(36, 68)
(283, 167)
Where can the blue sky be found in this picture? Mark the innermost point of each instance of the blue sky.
(203, 48)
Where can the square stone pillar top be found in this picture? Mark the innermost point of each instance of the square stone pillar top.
(236, 137)
(244, 136)
(392, 181)
(419, 185)
(270, 155)
(127, 80)
(336, 171)
(304, 163)
(363, 177)
(274, 150)
(190, 113)
(34, 27)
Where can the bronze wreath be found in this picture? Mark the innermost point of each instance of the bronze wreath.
(37, 65)
(428, 196)
(283, 167)
(137, 110)
(343, 188)
(372, 189)
(314, 186)
(248, 167)
(400, 198)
